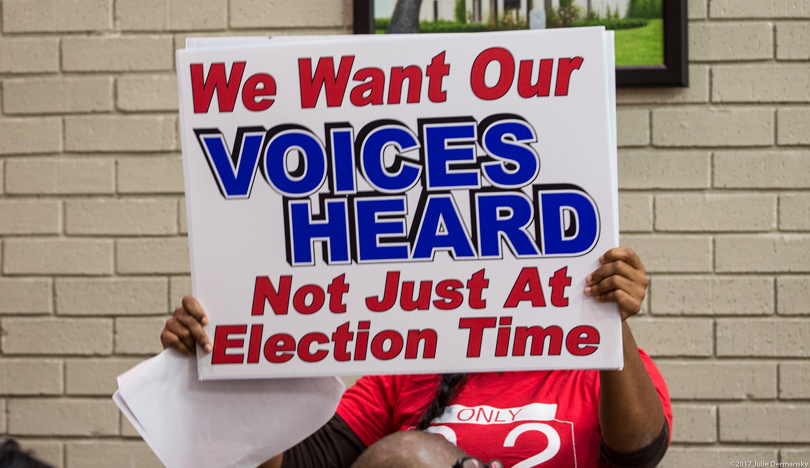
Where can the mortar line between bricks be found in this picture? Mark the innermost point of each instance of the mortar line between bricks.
(724, 105)
(115, 176)
(90, 316)
(63, 370)
(64, 136)
(749, 357)
(63, 453)
(154, 154)
(113, 337)
(76, 438)
(62, 219)
(712, 191)
(766, 231)
(125, 236)
(53, 296)
(739, 61)
(717, 424)
(776, 126)
(115, 33)
(694, 360)
(168, 280)
(769, 316)
(169, 113)
(739, 444)
(68, 74)
(110, 197)
(779, 382)
(96, 237)
(100, 155)
(101, 398)
(75, 357)
(739, 402)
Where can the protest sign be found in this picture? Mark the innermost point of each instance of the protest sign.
(401, 204)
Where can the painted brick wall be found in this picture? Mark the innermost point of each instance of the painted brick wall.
(715, 196)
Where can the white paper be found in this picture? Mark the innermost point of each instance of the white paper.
(237, 423)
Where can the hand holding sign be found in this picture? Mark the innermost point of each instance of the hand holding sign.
(622, 279)
(184, 331)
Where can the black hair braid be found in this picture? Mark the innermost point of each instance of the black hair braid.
(449, 387)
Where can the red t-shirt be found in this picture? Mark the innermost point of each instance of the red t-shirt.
(525, 419)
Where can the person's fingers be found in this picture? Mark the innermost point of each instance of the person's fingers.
(195, 328)
(616, 282)
(170, 340)
(193, 307)
(626, 254)
(628, 305)
(621, 278)
(175, 326)
(472, 462)
(618, 267)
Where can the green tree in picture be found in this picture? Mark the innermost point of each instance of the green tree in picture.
(650, 9)
(461, 11)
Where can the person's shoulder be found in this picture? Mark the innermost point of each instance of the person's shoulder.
(644, 354)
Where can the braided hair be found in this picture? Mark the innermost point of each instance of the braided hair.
(448, 388)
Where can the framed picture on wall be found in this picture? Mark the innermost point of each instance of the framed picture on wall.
(651, 35)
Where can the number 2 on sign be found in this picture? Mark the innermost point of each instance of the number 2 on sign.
(547, 454)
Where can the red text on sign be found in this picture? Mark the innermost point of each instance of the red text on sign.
(370, 87)
(257, 93)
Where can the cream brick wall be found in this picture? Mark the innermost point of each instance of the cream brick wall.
(793, 126)
(26, 296)
(793, 41)
(147, 93)
(712, 295)
(60, 176)
(714, 194)
(57, 95)
(697, 424)
(134, 454)
(730, 41)
(30, 135)
(792, 293)
(41, 55)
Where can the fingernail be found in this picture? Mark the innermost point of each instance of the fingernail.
(602, 259)
(204, 321)
(588, 279)
(588, 290)
(207, 348)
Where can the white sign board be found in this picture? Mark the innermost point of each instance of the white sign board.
(401, 204)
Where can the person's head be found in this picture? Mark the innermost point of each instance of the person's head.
(410, 449)
(13, 456)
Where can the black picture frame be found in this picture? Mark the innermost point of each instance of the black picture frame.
(673, 73)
